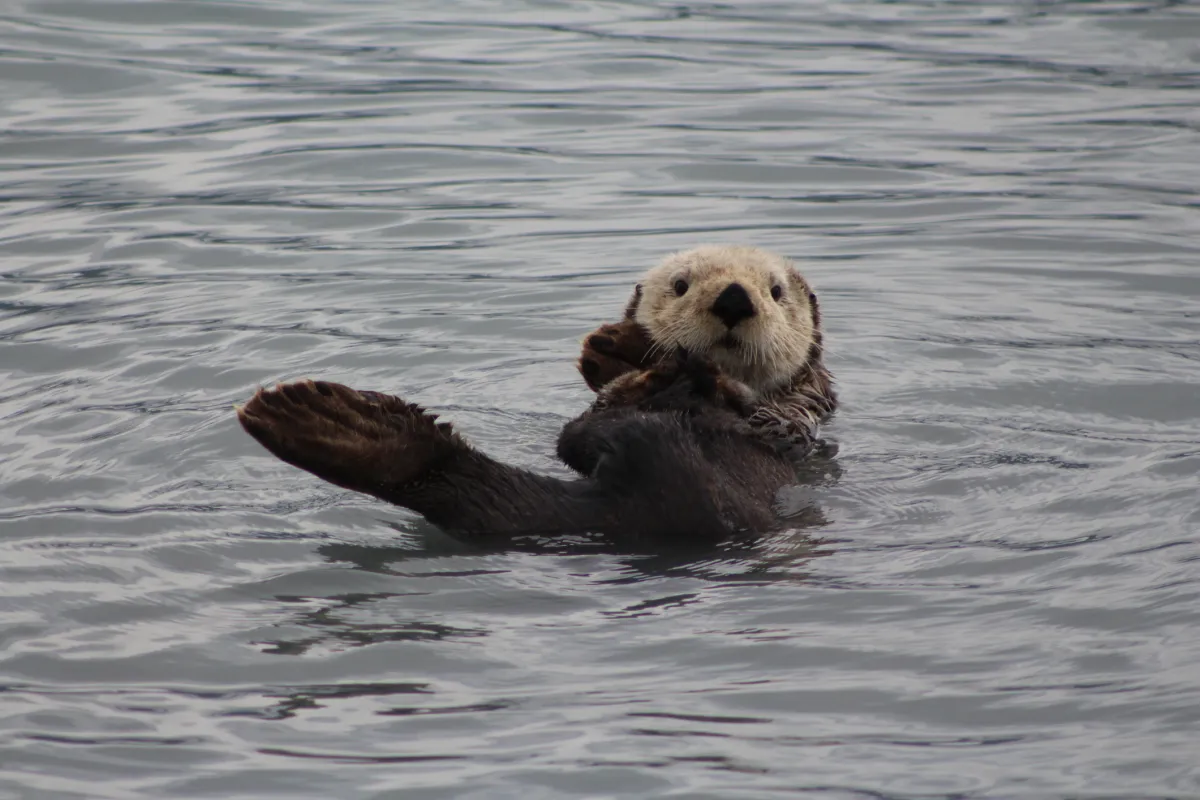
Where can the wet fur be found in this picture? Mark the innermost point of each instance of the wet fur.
(676, 466)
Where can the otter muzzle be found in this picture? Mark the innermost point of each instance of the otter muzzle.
(733, 305)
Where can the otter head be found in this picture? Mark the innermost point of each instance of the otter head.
(748, 310)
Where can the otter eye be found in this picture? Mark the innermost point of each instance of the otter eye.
(681, 287)
(776, 292)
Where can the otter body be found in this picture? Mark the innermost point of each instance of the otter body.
(676, 467)
(749, 311)
(705, 392)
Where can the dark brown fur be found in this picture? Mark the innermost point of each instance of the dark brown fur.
(676, 465)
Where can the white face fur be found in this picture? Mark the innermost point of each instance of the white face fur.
(761, 334)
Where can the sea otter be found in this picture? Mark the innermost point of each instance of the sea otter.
(676, 449)
(747, 309)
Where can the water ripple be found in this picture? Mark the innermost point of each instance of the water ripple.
(991, 590)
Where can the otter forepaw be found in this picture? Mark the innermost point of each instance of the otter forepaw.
(611, 351)
(689, 382)
(365, 441)
(682, 383)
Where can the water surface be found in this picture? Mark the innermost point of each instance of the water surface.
(994, 589)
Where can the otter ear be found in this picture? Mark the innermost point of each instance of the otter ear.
(632, 306)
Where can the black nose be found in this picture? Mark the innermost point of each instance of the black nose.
(733, 306)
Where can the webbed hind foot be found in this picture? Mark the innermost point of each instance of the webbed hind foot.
(365, 441)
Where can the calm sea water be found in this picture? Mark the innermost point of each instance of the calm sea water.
(997, 589)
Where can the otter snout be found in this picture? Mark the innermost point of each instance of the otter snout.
(733, 305)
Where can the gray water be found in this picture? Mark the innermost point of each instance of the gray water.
(992, 593)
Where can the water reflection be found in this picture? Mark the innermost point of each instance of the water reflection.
(331, 628)
(298, 699)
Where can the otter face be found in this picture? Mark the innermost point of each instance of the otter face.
(748, 310)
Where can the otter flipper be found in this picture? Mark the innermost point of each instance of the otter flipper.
(380, 445)
(367, 442)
